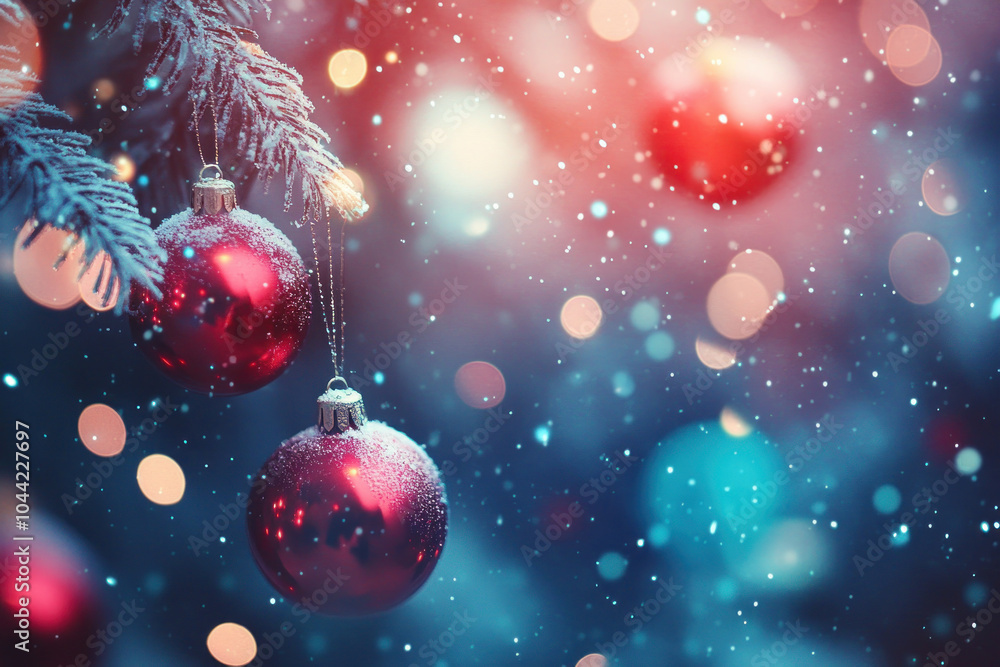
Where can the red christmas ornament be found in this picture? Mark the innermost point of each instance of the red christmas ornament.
(64, 609)
(348, 517)
(723, 125)
(236, 302)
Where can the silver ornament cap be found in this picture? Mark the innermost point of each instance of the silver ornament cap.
(213, 194)
(340, 409)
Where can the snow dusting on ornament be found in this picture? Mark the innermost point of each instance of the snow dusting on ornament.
(235, 306)
(348, 524)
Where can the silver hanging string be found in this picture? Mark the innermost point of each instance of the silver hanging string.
(196, 119)
(340, 310)
(333, 312)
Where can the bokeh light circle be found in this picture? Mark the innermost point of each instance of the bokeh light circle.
(789, 555)
(658, 534)
(355, 178)
(914, 55)
(969, 461)
(613, 20)
(622, 384)
(593, 660)
(645, 315)
(733, 424)
(878, 18)
(737, 305)
(700, 475)
(161, 479)
(659, 346)
(581, 317)
(713, 354)
(104, 90)
(231, 644)
(125, 168)
(480, 384)
(919, 268)
(482, 156)
(761, 266)
(347, 68)
(886, 499)
(52, 288)
(943, 187)
(611, 566)
(101, 430)
(907, 46)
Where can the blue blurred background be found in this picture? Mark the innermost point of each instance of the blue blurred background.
(810, 499)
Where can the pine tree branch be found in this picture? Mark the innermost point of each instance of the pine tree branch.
(68, 189)
(259, 99)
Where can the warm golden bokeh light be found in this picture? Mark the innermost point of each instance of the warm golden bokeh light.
(737, 305)
(593, 660)
(878, 18)
(919, 268)
(943, 187)
(52, 288)
(124, 167)
(341, 190)
(161, 480)
(480, 157)
(761, 266)
(581, 317)
(713, 354)
(733, 424)
(355, 179)
(104, 90)
(613, 20)
(101, 430)
(231, 644)
(91, 291)
(480, 384)
(790, 8)
(392, 57)
(914, 56)
(348, 68)
(907, 46)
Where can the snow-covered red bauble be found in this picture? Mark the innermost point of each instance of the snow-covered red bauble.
(723, 124)
(348, 517)
(235, 302)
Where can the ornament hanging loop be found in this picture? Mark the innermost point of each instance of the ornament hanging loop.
(214, 166)
(340, 409)
(338, 378)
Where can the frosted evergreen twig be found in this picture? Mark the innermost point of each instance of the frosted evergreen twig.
(67, 188)
(259, 99)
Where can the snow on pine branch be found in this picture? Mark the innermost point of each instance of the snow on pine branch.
(259, 99)
(68, 188)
